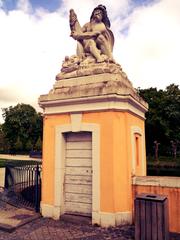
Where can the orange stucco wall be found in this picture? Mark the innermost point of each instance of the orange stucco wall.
(49, 124)
(173, 195)
(115, 157)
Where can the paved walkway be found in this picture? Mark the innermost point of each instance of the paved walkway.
(19, 223)
(48, 229)
(26, 225)
(16, 157)
(12, 217)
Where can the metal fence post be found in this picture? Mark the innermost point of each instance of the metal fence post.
(9, 180)
(37, 203)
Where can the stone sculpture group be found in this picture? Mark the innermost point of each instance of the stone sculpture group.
(95, 43)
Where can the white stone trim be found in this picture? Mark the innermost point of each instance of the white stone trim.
(96, 219)
(60, 168)
(50, 211)
(172, 182)
(46, 210)
(76, 119)
(123, 218)
(138, 130)
(97, 103)
(105, 219)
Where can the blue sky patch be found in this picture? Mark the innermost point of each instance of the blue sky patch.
(50, 5)
(53, 5)
(143, 2)
(8, 5)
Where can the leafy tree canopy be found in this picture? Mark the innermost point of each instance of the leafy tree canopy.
(163, 117)
(22, 126)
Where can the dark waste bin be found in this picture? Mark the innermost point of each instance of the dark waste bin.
(151, 217)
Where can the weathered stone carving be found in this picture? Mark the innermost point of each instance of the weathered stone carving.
(95, 37)
(95, 43)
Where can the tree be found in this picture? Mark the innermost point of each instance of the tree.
(29, 145)
(4, 146)
(163, 117)
(38, 145)
(18, 146)
(22, 124)
(1, 139)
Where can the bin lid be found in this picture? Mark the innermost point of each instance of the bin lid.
(151, 197)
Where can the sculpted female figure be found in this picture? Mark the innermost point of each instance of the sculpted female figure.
(94, 38)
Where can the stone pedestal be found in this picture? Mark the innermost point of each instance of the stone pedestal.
(106, 106)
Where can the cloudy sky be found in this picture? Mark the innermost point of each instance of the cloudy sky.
(34, 39)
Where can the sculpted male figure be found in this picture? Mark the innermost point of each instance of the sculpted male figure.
(94, 38)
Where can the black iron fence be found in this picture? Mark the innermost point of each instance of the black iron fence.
(25, 181)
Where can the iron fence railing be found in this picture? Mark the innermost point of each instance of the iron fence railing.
(25, 180)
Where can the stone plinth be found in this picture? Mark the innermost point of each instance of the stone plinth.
(96, 92)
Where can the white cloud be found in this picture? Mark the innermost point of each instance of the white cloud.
(32, 47)
(150, 51)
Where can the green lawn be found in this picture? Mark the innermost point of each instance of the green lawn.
(164, 166)
(163, 160)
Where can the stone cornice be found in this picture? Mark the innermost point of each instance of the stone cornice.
(97, 92)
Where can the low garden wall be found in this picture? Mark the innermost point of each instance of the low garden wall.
(169, 186)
